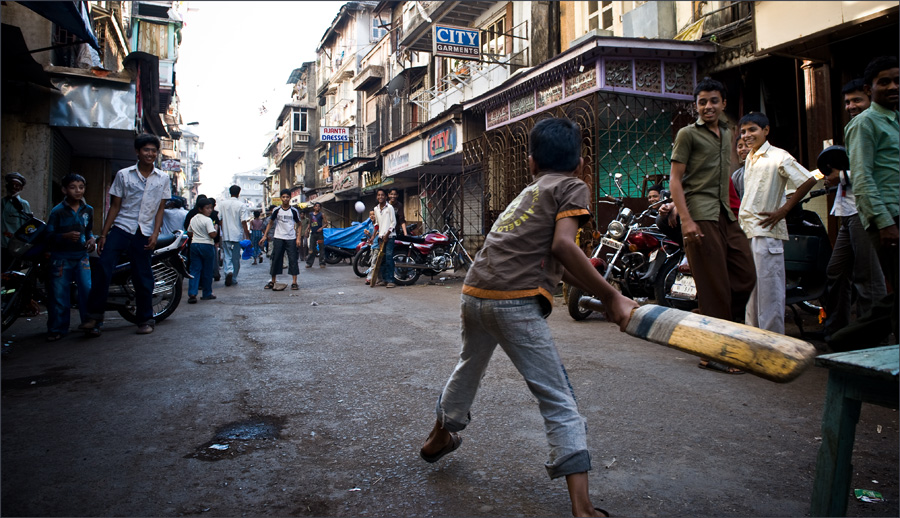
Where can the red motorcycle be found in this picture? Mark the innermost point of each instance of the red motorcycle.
(432, 253)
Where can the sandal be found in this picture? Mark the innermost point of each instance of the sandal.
(269, 285)
(294, 286)
(716, 366)
(455, 441)
(605, 513)
(54, 337)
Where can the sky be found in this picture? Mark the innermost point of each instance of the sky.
(235, 57)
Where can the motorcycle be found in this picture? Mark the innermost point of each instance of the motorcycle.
(169, 272)
(633, 259)
(434, 252)
(21, 281)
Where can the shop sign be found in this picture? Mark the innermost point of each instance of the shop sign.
(498, 115)
(522, 105)
(170, 165)
(549, 95)
(334, 134)
(581, 82)
(441, 141)
(346, 180)
(456, 42)
(370, 178)
(403, 158)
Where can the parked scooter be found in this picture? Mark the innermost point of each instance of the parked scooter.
(806, 256)
(632, 258)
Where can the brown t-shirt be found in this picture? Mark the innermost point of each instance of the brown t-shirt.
(516, 260)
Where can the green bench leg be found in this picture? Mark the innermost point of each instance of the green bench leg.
(831, 487)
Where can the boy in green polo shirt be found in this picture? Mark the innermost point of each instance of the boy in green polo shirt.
(717, 249)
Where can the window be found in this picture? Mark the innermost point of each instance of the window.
(339, 152)
(377, 30)
(300, 121)
(607, 9)
(600, 15)
(493, 39)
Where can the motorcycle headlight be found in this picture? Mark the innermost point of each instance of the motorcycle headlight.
(616, 229)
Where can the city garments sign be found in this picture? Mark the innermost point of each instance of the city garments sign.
(456, 42)
(334, 134)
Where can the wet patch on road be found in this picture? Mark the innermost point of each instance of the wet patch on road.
(52, 376)
(239, 437)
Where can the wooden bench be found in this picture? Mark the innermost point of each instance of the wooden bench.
(856, 377)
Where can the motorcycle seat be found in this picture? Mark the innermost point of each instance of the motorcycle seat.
(411, 239)
(164, 240)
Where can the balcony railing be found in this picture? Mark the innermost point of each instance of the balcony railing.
(295, 141)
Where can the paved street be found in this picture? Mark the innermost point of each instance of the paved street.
(315, 402)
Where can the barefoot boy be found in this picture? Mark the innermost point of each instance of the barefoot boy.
(763, 208)
(508, 293)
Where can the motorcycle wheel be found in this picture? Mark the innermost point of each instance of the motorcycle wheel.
(402, 275)
(164, 302)
(361, 262)
(13, 304)
(575, 311)
(332, 258)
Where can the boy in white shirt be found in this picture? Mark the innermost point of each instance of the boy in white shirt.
(203, 251)
(286, 221)
(763, 209)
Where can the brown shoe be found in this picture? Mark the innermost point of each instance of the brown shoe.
(88, 325)
(145, 329)
(390, 285)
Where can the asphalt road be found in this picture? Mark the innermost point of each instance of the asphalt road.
(315, 402)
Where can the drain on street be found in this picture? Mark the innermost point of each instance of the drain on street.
(240, 437)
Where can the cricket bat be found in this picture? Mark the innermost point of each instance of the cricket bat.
(768, 355)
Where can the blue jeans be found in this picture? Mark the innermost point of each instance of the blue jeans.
(387, 266)
(203, 256)
(232, 253)
(523, 334)
(132, 245)
(62, 273)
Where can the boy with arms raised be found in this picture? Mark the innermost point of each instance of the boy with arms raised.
(763, 209)
(508, 293)
(71, 239)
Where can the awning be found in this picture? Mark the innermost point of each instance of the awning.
(403, 79)
(325, 198)
(71, 16)
(17, 63)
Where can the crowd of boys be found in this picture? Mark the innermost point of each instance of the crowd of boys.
(732, 224)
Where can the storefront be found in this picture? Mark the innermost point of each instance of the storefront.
(630, 96)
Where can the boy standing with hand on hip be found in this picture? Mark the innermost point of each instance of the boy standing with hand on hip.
(763, 209)
(507, 295)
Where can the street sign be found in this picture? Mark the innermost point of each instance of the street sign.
(334, 134)
(457, 42)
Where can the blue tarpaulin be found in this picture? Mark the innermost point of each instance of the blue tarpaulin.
(347, 237)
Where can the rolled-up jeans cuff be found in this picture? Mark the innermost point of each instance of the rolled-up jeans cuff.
(576, 462)
(449, 424)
